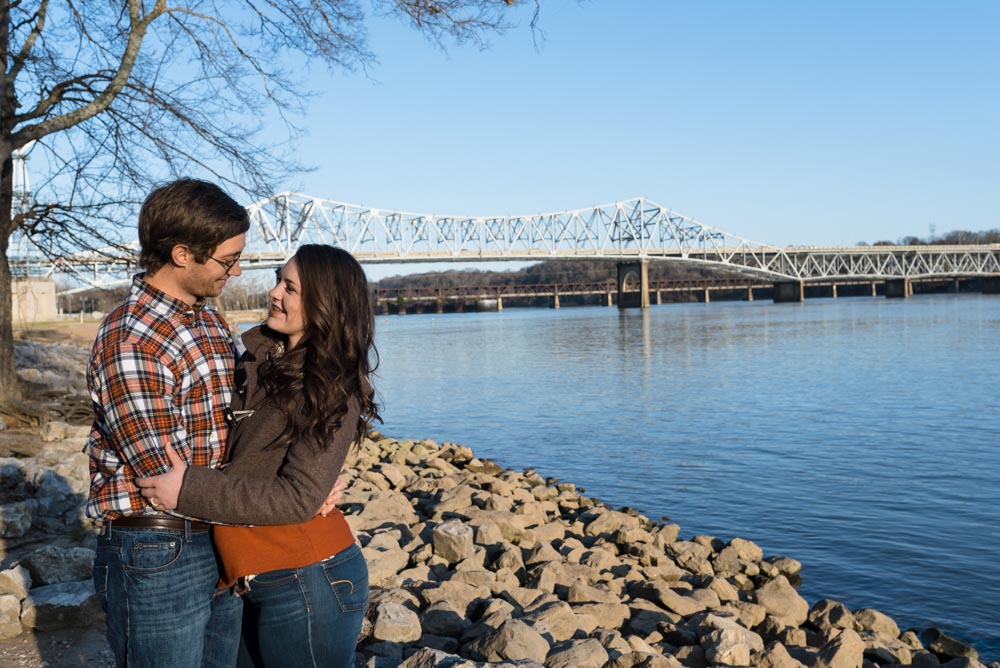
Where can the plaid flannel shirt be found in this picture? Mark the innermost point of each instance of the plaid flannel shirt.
(160, 376)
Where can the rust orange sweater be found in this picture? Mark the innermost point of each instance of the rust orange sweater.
(252, 550)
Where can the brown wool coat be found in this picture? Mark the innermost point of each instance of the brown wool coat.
(261, 485)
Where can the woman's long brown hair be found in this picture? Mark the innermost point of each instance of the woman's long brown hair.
(333, 362)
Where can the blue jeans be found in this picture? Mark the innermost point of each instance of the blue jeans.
(158, 589)
(307, 616)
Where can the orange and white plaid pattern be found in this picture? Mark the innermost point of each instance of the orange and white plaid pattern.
(160, 376)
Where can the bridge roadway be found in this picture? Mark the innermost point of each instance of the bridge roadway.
(632, 232)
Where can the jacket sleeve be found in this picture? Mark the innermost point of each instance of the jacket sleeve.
(294, 494)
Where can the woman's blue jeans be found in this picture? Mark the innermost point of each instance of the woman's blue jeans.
(158, 588)
(308, 616)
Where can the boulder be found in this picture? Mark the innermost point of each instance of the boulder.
(586, 653)
(513, 640)
(62, 605)
(776, 656)
(844, 650)
(453, 541)
(51, 564)
(556, 616)
(947, 647)
(396, 623)
(443, 619)
(383, 508)
(10, 616)
(878, 623)
(828, 614)
(782, 600)
(16, 518)
(427, 657)
(666, 597)
(16, 580)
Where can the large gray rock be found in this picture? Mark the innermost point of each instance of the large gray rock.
(444, 619)
(829, 614)
(396, 623)
(586, 653)
(556, 616)
(879, 623)
(726, 642)
(776, 656)
(666, 597)
(383, 508)
(844, 650)
(10, 616)
(945, 646)
(16, 580)
(384, 564)
(62, 605)
(782, 601)
(52, 564)
(513, 640)
(427, 657)
(16, 518)
(453, 541)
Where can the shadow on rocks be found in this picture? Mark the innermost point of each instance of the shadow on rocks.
(47, 595)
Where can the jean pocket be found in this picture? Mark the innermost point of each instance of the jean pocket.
(152, 554)
(348, 577)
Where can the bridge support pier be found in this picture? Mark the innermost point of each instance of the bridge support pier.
(834, 290)
(750, 294)
(708, 297)
(991, 286)
(628, 272)
(555, 300)
(611, 300)
(440, 305)
(898, 288)
(789, 291)
(499, 302)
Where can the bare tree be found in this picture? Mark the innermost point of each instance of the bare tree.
(118, 94)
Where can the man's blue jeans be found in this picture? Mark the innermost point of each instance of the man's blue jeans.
(307, 616)
(158, 588)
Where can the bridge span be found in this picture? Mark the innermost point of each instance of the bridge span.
(634, 232)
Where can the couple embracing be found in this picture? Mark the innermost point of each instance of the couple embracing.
(214, 477)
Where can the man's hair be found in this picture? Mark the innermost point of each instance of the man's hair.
(189, 212)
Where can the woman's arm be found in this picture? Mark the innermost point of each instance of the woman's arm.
(294, 494)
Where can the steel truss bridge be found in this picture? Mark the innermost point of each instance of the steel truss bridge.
(631, 230)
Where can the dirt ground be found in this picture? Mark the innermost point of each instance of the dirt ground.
(60, 331)
(57, 649)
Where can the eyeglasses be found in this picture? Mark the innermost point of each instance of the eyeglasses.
(226, 265)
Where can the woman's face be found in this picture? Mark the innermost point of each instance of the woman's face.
(285, 314)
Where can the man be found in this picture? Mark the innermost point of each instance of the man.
(160, 377)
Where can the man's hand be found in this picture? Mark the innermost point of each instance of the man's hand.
(163, 490)
(335, 496)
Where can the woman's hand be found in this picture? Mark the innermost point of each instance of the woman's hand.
(335, 496)
(163, 490)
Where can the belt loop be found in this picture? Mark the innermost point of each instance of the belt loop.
(187, 531)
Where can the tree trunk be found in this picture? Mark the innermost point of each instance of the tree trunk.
(10, 389)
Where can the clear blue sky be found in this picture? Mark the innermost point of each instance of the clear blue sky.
(793, 123)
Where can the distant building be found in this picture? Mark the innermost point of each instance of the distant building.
(34, 300)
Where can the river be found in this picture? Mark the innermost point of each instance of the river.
(857, 435)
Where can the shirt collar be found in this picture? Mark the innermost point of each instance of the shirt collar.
(160, 302)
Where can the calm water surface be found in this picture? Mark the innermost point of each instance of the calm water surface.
(858, 436)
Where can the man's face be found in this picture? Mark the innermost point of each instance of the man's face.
(206, 280)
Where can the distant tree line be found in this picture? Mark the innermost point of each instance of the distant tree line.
(953, 238)
(547, 272)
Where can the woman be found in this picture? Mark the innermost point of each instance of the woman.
(303, 396)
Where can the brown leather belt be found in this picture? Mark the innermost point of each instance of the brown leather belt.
(156, 522)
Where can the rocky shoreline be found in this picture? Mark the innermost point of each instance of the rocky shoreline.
(470, 565)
